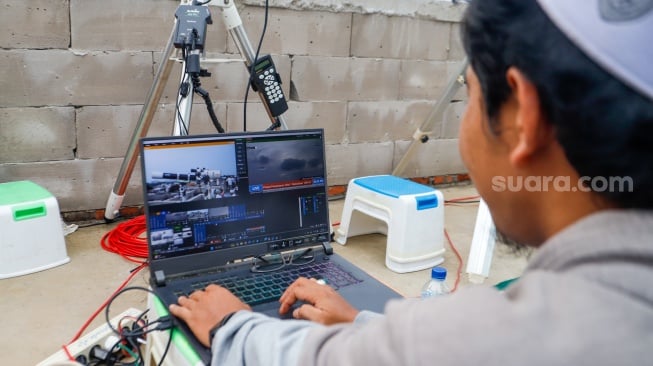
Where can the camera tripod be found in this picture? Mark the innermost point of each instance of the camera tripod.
(188, 34)
(483, 239)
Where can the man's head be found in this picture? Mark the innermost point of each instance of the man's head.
(550, 136)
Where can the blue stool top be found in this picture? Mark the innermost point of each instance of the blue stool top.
(392, 186)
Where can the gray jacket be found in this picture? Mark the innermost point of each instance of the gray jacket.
(585, 299)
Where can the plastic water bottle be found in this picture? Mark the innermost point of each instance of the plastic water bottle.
(436, 285)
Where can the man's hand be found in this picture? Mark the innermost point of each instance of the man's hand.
(323, 304)
(202, 310)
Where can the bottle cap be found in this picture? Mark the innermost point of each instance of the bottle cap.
(438, 273)
(616, 34)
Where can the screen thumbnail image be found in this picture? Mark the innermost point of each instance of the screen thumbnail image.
(190, 173)
(162, 237)
(269, 162)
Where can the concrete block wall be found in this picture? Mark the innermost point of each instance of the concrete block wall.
(75, 75)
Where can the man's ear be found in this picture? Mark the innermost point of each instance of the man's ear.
(533, 133)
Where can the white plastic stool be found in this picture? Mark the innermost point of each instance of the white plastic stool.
(31, 236)
(409, 213)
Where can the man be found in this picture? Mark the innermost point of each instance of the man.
(559, 92)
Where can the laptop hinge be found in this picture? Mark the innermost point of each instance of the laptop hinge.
(159, 278)
(328, 249)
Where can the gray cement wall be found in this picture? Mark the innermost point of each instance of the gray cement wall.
(75, 75)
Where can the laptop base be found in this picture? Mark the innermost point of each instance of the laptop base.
(368, 294)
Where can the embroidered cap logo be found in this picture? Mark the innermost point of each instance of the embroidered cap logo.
(624, 10)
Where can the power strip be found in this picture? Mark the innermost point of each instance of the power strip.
(83, 345)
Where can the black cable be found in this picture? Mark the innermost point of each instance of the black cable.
(101, 222)
(251, 68)
(214, 118)
(182, 125)
(139, 361)
(197, 87)
(135, 346)
(166, 321)
(138, 349)
(195, 72)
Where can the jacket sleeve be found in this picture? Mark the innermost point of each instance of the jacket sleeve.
(439, 331)
(409, 333)
(544, 319)
(442, 330)
(365, 316)
(256, 339)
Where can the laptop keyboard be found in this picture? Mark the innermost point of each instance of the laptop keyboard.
(258, 288)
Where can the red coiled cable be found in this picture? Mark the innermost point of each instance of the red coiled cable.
(127, 240)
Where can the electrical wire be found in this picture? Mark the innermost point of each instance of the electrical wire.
(104, 304)
(463, 204)
(180, 119)
(67, 352)
(127, 241)
(166, 322)
(99, 222)
(251, 68)
(131, 353)
(468, 199)
(124, 240)
(456, 201)
(460, 261)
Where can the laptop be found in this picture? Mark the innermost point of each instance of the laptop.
(248, 211)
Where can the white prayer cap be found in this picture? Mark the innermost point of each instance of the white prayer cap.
(616, 34)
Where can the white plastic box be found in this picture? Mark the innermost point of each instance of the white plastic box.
(31, 234)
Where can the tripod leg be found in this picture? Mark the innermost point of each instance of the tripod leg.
(184, 106)
(421, 135)
(144, 120)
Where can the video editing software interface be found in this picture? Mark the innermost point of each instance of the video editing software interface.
(211, 193)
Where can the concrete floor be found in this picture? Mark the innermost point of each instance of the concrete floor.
(42, 311)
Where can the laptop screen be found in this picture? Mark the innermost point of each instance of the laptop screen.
(265, 191)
